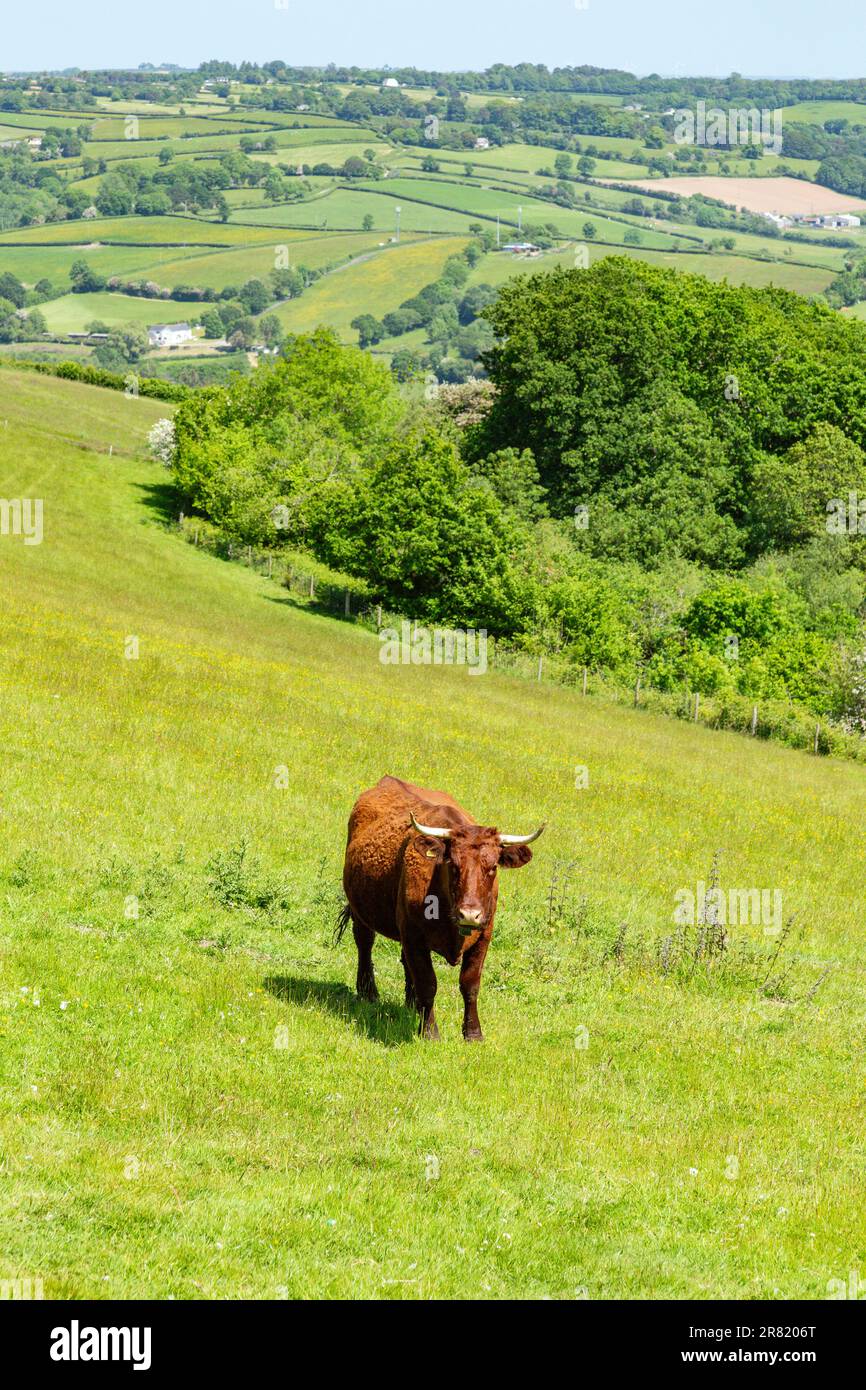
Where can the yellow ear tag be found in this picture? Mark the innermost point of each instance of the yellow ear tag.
(430, 853)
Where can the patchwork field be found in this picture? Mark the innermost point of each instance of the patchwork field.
(469, 188)
(193, 1103)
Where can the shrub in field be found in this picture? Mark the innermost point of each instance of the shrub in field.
(161, 441)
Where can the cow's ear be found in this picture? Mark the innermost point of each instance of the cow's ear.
(514, 856)
(433, 848)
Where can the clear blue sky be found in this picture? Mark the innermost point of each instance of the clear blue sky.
(782, 38)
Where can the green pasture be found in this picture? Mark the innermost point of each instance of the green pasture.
(73, 312)
(33, 263)
(218, 269)
(148, 231)
(375, 285)
(346, 208)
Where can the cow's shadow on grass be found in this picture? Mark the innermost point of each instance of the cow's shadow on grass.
(385, 1022)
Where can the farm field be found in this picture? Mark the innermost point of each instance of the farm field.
(195, 1105)
(73, 312)
(818, 112)
(739, 270)
(33, 263)
(216, 269)
(307, 152)
(135, 231)
(346, 209)
(780, 195)
(490, 203)
(384, 280)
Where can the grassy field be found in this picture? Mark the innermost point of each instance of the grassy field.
(346, 209)
(217, 269)
(193, 1103)
(820, 111)
(384, 280)
(475, 201)
(73, 312)
(33, 263)
(142, 231)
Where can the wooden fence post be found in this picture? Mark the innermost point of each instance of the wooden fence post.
(540, 664)
(378, 616)
(817, 736)
(347, 609)
(584, 680)
(637, 692)
(697, 706)
(754, 721)
(270, 566)
(312, 586)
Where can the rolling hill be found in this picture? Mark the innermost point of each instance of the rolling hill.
(193, 1102)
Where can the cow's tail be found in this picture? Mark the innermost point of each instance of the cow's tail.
(342, 922)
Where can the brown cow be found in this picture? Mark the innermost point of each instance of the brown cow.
(420, 871)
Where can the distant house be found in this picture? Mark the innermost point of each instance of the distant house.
(777, 219)
(482, 143)
(168, 334)
(390, 82)
(520, 248)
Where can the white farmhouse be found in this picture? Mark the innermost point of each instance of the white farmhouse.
(168, 334)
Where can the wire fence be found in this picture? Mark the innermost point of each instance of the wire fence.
(353, 600)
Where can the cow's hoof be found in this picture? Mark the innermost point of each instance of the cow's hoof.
(368, 993)
(476, 1036)
(430, 1033)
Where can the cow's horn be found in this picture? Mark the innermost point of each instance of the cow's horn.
(522, 839)
(441, 834)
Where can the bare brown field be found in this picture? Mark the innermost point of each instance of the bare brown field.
(780, 195)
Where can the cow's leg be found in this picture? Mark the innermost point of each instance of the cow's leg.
(366, 983)
(470, 983)
(411, 1001)
(424, 980)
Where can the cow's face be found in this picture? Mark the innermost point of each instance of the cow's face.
(470, 860)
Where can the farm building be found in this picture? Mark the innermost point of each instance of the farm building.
(482, 143)
(168, 334)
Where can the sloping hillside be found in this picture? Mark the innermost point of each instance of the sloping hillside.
(193, 1102)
